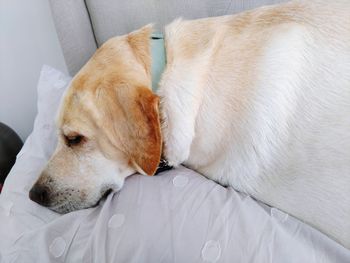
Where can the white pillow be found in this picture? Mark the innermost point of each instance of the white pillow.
(31, 159)
(42, 141)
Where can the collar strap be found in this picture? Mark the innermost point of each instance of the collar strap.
(158, 66)
(163, 166)
(158, 58)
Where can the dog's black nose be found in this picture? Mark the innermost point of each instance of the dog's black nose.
(40, 195)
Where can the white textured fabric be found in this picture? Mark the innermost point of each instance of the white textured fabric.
(178, 216)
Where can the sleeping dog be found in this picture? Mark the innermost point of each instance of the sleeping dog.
(259, 101)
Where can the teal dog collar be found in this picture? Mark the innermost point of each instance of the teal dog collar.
(158, 66)
(158, 58)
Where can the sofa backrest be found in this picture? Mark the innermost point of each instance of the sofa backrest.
(83, 25)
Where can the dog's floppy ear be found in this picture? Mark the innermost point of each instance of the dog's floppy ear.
(144, 144)
(148, 153)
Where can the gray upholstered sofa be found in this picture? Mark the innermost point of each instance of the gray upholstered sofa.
(83, 25)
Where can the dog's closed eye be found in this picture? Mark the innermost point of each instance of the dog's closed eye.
(73, 140)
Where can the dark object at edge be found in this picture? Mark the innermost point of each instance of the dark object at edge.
(10, 145)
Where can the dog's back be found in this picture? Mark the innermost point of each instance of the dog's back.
(271, 94)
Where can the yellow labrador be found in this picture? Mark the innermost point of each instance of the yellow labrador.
(259, 101)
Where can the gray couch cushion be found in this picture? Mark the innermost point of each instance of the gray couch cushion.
(84, 25)
(74, 32)
(116, 17)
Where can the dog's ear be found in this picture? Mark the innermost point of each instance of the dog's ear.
(144, 141)
(140, 43)
(149, 149)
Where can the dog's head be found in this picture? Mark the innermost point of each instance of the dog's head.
(108, 127)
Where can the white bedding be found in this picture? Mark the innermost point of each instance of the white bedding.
(177, 216)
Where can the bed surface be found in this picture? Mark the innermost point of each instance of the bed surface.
(177, 216)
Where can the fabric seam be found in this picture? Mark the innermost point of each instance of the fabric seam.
(91, 24)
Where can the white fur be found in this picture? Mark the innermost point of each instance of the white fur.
(288, 143)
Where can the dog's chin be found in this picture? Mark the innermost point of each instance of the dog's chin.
(74, 205)
(70, 206)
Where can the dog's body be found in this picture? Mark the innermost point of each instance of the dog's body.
(259, 101)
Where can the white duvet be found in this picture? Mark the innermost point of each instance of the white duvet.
(177, 216)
